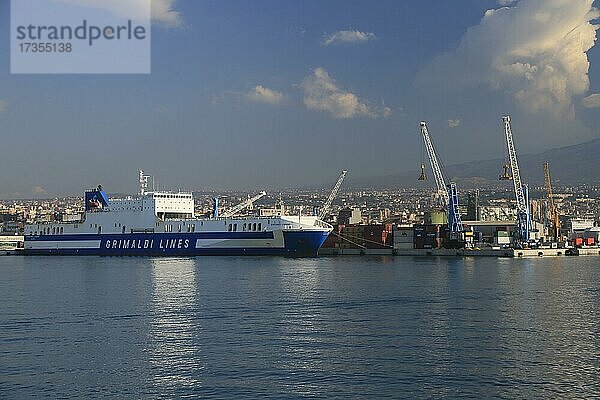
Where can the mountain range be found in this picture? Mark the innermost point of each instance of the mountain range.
(570, 165)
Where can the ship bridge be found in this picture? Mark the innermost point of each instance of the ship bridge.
(171, 205)
(166, 204)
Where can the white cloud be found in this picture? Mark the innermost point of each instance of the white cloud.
(258, 94)
(592, 101)
(535, 51)
(3, 105)
(321, 93)
(385, 111)
(162, 10)
(264, 95)
(217, 99)
(453, 123)
(39, 191)
(348, 37)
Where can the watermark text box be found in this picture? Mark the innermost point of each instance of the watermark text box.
(80, 36)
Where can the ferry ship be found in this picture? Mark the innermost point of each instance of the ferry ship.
(162, 223)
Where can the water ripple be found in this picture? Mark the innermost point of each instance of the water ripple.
(310, 328)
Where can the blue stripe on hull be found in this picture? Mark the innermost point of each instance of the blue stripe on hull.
(297, 244)
(166, 253)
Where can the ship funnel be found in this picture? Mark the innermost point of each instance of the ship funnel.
(423, 176)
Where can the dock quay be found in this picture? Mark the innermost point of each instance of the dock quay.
(430, 241)
(500, 253)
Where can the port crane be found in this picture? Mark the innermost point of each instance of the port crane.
(243, 205)
(447, 194)
(336, 188)
(521, 190)
(551, 205)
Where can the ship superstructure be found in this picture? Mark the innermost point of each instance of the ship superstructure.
(163, 223)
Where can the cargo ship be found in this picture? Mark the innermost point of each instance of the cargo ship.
(162, 223)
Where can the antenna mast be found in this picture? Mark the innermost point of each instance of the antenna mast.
(143, 182)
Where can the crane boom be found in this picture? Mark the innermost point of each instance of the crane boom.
(332, 195)
(243, 205)
(514, 167)
(433, 159)
(521, 191)
(552, 205)
(447, 194)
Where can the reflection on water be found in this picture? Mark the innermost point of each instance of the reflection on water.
(542, 337)
(302, 329)
(246, 328)
(299, 278)
(174, 352)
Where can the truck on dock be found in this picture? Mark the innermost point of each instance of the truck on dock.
(11, 245)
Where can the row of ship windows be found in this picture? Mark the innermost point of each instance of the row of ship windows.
(231, 228)
(144, 208)
(172, 196)
(56, 230)
(246, 227)
(168, 228)
(189, 228)
(184, 224)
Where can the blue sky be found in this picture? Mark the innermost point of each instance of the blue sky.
(248, 94)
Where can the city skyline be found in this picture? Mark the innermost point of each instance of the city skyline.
(246, 95)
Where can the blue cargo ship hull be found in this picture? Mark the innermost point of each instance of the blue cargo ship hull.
(286, 243)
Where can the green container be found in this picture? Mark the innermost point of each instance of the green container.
(439, 217)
